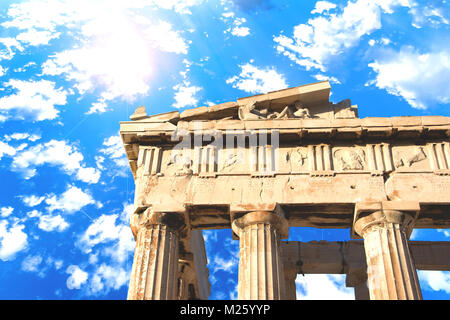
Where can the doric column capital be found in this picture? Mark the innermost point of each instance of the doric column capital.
(275, 219)
(173, 220)
(404, 220)
(372, 215)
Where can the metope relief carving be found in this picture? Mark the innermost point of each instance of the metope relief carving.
(233, 161)
(179, 164)
(406, 158)
(297, 159)
(349, 159)
(230, 162)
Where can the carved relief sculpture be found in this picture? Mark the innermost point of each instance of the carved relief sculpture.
(230, 162)
(409, 160)
(296, 159)
(290, 112)
(181, 163)
(350, 159)
(251, 112)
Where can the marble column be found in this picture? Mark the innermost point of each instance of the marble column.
(391, 271)
(154, 275)
(261, 273)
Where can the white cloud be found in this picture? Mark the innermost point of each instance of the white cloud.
(88, 175)
(51, 223)
(240, 31)
(3, 71)
(114, 51)
(114, 147)
(435, 280)
(326, 36)
(108, 236)
(24, 67)
(432, 13)
(419, 78)
(258, 80)
(114, 150)
(98, 107)
(116, 54)
(77, 277)
(323, 287)
(108, 277)
(322, 6)
(115, 234)
(33, 99)
(6, 211)
(113, 67)
(322, 77)
(6, 149)
(8, 52)
(36, 38)
(12, 240)
(32, 200)
(162, 36)
(185, 95)
(31, 263)
(128, 210)
(179, 6)
(55, 153)
(70, 201)
(235, 24)
(22, 136)
(229, 265)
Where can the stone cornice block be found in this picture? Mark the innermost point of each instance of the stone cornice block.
(316, 123)
(310, 93)
(376, 122)
(346, 123)
(230, 125)
(193, 112)
(141, 126)
(274, 124)
(435, 121)
(406, 121)
(172, 116)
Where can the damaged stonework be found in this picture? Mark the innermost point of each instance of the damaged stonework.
(266, 163)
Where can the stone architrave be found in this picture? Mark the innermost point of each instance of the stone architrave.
(261, 272)
(385, 228)
(154, 274)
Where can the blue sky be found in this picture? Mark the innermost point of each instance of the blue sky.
(71, 70)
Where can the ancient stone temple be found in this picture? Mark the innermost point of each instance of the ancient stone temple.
(290, 158)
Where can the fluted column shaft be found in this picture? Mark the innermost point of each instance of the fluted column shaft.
(154, 274)
(391, 271)
(261, 272)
